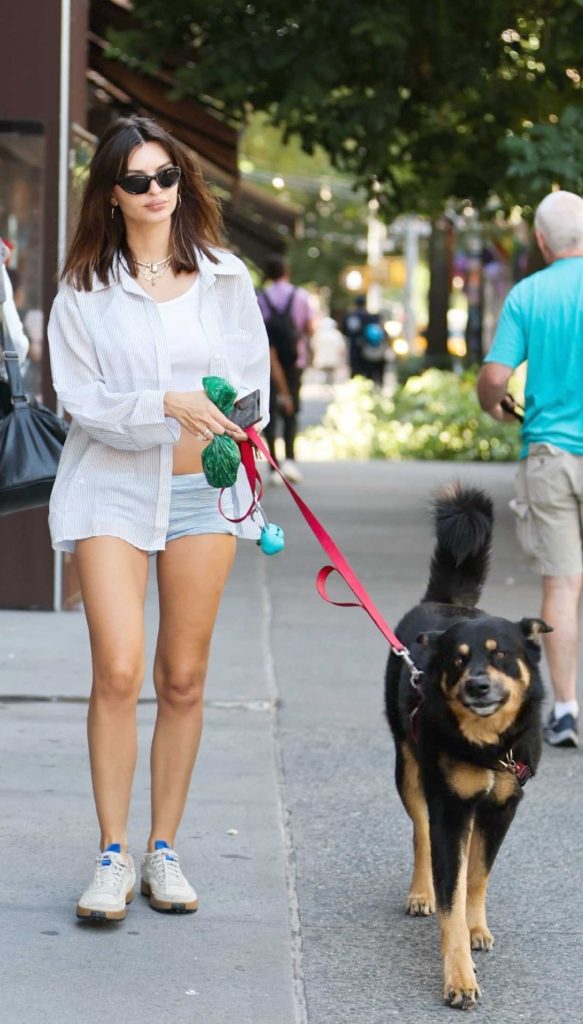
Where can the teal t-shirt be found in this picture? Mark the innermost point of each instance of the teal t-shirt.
(542, 322)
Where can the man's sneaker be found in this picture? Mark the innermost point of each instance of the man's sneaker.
(164, 883)
(275, 479)
(291, 471)
(112, 887)
(562, 732)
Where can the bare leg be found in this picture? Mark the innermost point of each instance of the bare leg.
(560, 608)
(192, 573)
(113, 583)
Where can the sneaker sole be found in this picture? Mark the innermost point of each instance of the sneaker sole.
(93, 914)
(166, 906)
(564, 739)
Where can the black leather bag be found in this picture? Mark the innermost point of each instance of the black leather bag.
(31, 438)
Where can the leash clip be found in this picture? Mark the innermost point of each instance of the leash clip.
(414, 672)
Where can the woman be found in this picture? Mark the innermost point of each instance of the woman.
(149, 305)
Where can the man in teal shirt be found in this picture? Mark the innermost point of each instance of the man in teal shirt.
(542, 322)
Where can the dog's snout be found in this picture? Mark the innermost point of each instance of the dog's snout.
(477, 686)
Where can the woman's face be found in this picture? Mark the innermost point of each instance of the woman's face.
(155, 205)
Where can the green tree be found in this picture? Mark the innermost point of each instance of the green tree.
(414, 99)
(546, 155)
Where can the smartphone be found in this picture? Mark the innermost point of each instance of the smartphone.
(247, 410)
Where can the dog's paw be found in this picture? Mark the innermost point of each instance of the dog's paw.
(461, 990)
(481, 938)
(420, 904)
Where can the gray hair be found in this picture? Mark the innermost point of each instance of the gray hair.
(559, 218)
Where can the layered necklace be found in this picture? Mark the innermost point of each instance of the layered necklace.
(152, 272)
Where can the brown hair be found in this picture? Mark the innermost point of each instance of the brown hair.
(276, 267)
(99, 238)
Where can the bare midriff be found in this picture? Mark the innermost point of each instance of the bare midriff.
(187, 454)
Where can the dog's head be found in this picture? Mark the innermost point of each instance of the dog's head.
(485, 668)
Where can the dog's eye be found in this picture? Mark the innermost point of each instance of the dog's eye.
(499, 655)
(458, 662)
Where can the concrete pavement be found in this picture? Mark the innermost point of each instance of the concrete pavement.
(301, 911)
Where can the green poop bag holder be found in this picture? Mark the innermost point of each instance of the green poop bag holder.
(221, 460)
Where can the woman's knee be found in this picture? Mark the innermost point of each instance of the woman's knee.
(180, 686)
(118, 682)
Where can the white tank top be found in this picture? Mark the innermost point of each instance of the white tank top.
(189, 351)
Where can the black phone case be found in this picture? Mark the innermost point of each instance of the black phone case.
(247, 410)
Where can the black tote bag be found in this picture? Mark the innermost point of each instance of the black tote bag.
(31, 437)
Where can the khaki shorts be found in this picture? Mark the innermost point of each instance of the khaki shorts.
(549, 509)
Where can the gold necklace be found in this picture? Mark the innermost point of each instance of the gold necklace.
(152, 272)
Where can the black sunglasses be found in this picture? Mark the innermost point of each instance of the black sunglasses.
(139, 184)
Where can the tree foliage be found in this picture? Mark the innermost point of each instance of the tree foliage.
(547, 154)
(420, 101)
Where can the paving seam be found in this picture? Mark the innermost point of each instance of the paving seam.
(296, 942)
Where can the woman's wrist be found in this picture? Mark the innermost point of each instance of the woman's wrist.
(168, 403)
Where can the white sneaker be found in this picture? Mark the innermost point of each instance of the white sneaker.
(164, 883)
(275, 479)
(291, 471)
(112, 887)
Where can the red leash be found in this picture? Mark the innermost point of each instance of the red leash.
(339, 563)
(518, 768)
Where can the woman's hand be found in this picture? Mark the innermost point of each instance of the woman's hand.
(197, 414)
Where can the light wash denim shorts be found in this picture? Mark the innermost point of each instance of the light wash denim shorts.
(194, 508)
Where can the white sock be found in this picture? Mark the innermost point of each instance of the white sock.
(566, 707)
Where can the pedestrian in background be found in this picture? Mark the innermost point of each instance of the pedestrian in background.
(542, 322)
(14, 327)
(33, 325)
(288, 318)
(367, 342)
(353, 328)
(149, 305)
(328, 348)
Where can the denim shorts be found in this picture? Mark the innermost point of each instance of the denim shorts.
(194, 508)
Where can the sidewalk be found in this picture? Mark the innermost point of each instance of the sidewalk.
(301, 918)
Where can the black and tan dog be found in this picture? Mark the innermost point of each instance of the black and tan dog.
(467, 739)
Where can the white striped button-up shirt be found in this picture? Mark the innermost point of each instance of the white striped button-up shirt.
(111, 368)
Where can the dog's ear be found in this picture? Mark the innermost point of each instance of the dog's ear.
(532, 629)
(430, 637)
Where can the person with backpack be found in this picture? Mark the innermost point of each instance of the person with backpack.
(288, 320)
(367, 342)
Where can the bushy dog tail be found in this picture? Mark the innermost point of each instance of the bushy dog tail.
(463, 519)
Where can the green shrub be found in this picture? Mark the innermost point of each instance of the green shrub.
(433, 416)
